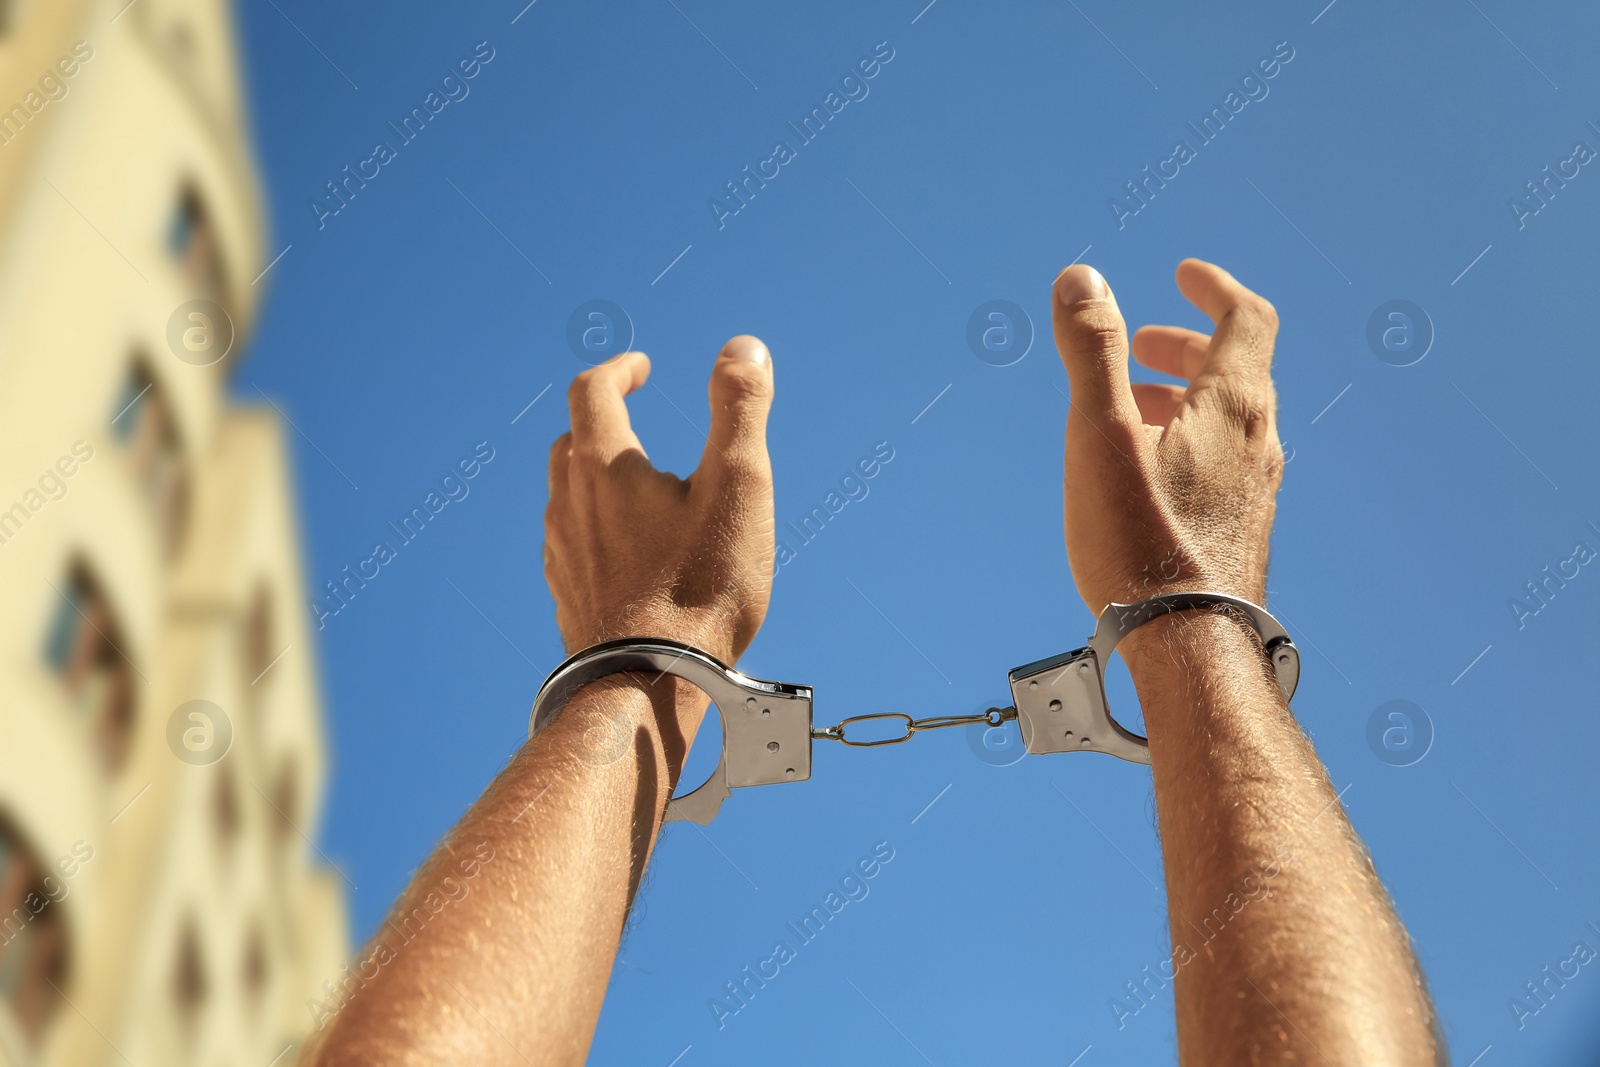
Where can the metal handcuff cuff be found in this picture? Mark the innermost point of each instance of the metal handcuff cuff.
(1060, 702)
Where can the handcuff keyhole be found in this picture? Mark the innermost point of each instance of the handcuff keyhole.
(772, 746)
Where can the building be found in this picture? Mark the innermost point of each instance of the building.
(161, 901)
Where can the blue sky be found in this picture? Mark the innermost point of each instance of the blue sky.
(1378, 164)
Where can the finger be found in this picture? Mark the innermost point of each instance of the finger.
(599, 414)
(1157, 402)
(560, 458)
(1093, 342)
(741, 396)
(1171, 350)
(1246, 322)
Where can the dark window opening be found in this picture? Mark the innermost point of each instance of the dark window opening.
(258, 635)
(147, 425)
(182, 38)
(192, 242)
(84, 647)
(33, 947)
(256, 968)
(286, 801)
(225, 804)
(190, 987)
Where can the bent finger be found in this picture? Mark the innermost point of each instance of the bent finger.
(1171, 350)
(599, 413)
(1246, 322)
(1158, 403)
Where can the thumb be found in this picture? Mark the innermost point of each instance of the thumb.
(1093, 342)
(741, 396)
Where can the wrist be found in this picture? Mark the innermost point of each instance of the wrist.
(1192, 646)
(605, 718)
(610, 720)
(709, 631)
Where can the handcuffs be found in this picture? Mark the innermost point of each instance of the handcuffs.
(1060, 702)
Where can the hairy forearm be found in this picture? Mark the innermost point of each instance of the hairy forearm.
(500, 948)
(1286, 946)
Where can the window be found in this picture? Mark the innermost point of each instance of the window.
(190, 986)
(192, 242)
(286, 801)
(181, 38)
(146, 425)
(257, 656)
(257, 637)
(256, 968)
(84, 648)
(225, 804)
(33, 950)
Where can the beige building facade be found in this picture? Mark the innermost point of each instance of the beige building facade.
(161, 746)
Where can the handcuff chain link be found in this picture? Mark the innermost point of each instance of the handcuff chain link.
(991, 717)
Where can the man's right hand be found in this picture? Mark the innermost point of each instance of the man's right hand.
(1168, 488)
(631, 551)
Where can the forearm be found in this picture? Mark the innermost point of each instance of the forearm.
(505, 959)
(500, 948)
(1286, 946)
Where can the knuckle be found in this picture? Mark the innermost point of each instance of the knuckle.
(1249, 406)
(744, 383)
(578, 392)
(1259, 312)
(1275, 459)
(1097, 331)
(1269, 314)
(587, 464)
(1242, 329)
(589, 383)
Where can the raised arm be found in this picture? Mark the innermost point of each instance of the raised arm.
(1286, 949)
(499, 950)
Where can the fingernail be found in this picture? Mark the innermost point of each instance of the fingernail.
(1080, 282)
(746, 349)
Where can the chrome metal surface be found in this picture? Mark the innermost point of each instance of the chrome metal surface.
(1061, 701)
(992, 717)
(766, 726)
